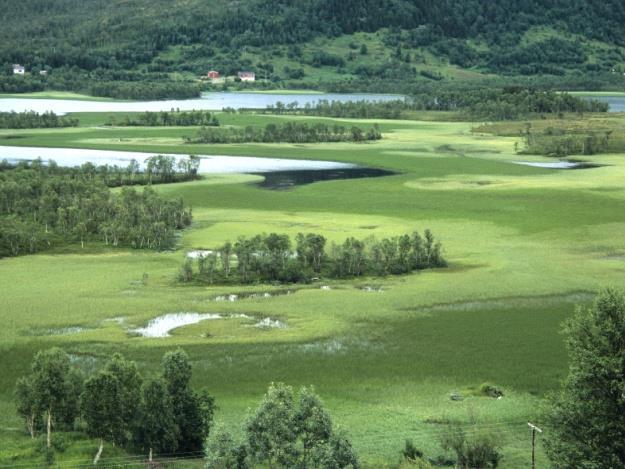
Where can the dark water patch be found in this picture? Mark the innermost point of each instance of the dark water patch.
(285, 180)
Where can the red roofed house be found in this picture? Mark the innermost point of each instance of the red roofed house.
(213, 75)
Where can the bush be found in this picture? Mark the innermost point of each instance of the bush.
(490, 390)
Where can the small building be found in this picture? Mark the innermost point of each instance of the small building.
(43, 73)
(18, 69)
(213, 75)
(247, 76)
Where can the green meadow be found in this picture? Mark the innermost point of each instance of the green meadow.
(525, 245)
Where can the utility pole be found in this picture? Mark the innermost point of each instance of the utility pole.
(534, 430)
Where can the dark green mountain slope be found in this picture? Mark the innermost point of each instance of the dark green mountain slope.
(89, 44)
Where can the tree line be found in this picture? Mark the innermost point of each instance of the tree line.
(559, 143)
(289, 132)
(34, 120)
(167, 119)
(115, 404)
(476, 103)
(273, 258)
(352, 109)
(42, 205)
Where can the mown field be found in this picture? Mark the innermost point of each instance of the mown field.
(525, 246)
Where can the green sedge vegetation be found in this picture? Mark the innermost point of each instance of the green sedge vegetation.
(394, 357)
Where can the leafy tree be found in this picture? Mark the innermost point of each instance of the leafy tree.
(270, 432)
(27, 405)
(157, 430)
(473, 450)
(129, 395)
(101, 409)
(193, 411)
(110, 402)
(51, 386)
(283, 433)
(222, 452)
(585, 421)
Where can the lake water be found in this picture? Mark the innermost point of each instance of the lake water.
(617, 103)
(209, 164)
(279, 174)
(208, 101)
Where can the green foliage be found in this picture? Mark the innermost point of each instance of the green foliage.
(43, 204)
(50, 390)
(283, 433)
(290, 132)
(111, 399)
(223, 453)
(473, 450)
(271, 258)
(490, 390)
(410, 451)
(585, 422)
(193, 411)
(167, 119)
(157, 429)
(33, 120)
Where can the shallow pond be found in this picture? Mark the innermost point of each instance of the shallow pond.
(208, 101)
(163, 325)
(559, 165)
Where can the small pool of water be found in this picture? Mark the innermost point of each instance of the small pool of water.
(163, 325)
(559, 165)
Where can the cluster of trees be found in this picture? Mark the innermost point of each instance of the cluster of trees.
(290, 132)
(115, 404)
(45, 204)
(145, 90)
(34, 120)
(284, 431)
(166, 119)
(507, 103)
(352, 109)
(560, 143)
(272, 258)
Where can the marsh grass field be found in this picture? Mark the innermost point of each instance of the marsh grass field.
(525, 246)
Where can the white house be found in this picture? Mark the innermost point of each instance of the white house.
(18, 69)
(247, 76)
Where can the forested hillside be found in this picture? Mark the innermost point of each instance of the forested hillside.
(88, 44)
